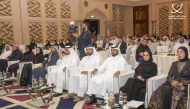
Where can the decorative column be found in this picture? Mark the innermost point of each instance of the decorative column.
(79, 24)
(107, 28)
(154, 27)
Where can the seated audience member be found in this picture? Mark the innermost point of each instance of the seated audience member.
(68, 43)
(61, 43)
(2, 46)
(7, 52)
(27, 57)
(173, 93)
(68, 59)
(107, 44)
(93, 43)
(165, 42)
(78, 80)
(47, 45)
(39, 57)
(136, 87)
(140, 49)
(41, 71)
(113, 66)
(15, 55)
(114, 40)
(54, 43)
(26, 76)
(99, 43)
(33, 44)
(181, 42)
(122, 46)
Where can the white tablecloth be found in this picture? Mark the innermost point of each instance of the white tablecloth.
(165, 61)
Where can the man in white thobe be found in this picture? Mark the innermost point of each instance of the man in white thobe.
(113, 66)
(78, 81)
(165, 42)
(181, 42)
(7, 52)
(69, 60)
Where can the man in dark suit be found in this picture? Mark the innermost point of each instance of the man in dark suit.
(107, 44)
(122, 46)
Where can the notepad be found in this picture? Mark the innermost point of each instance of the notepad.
(134, 104)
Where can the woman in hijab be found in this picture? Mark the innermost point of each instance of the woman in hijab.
(32, 44)
(136, 87)
(39, 57)
(47, 45)
(26, 74)
(61, 43)
(27, 57)
(173, 93)
(54, 43)
(68, 43)
(15, 55)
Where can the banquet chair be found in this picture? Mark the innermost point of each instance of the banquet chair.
(160, 80)
(36, 66)
(128, 53)
(12, 62)
(46, 52)
(34, 51)
(121, 80)
(39, 45)
(21, 65)
(149, 86)
(133, 50)
(153, 47)
(162, 48)
(188, 98)
(68, 72)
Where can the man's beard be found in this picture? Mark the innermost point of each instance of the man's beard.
(83, 29)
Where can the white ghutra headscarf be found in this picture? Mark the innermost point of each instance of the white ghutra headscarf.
(6, 53)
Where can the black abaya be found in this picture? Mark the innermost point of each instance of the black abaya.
(136, 88)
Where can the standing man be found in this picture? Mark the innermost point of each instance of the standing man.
(84, 39)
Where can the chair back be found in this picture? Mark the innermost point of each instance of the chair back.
(46, 51)
(153, 47)
(128, 53)
(133, 50)
(34, 51)
(162, 48)
(39, 45)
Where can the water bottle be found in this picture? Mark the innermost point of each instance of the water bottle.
(106, 97)
(40, 82)
(121, 99)
(4, 75)
(33, 80)
(13, 75)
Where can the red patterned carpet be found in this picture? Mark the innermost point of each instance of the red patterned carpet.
(19, 100)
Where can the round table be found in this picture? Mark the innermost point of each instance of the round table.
(164, 61)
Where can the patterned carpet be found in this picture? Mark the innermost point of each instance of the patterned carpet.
(19, 100)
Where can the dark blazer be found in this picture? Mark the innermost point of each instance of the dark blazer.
(123, 47)
(53, 60)
(16, 55)
(104, 45)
